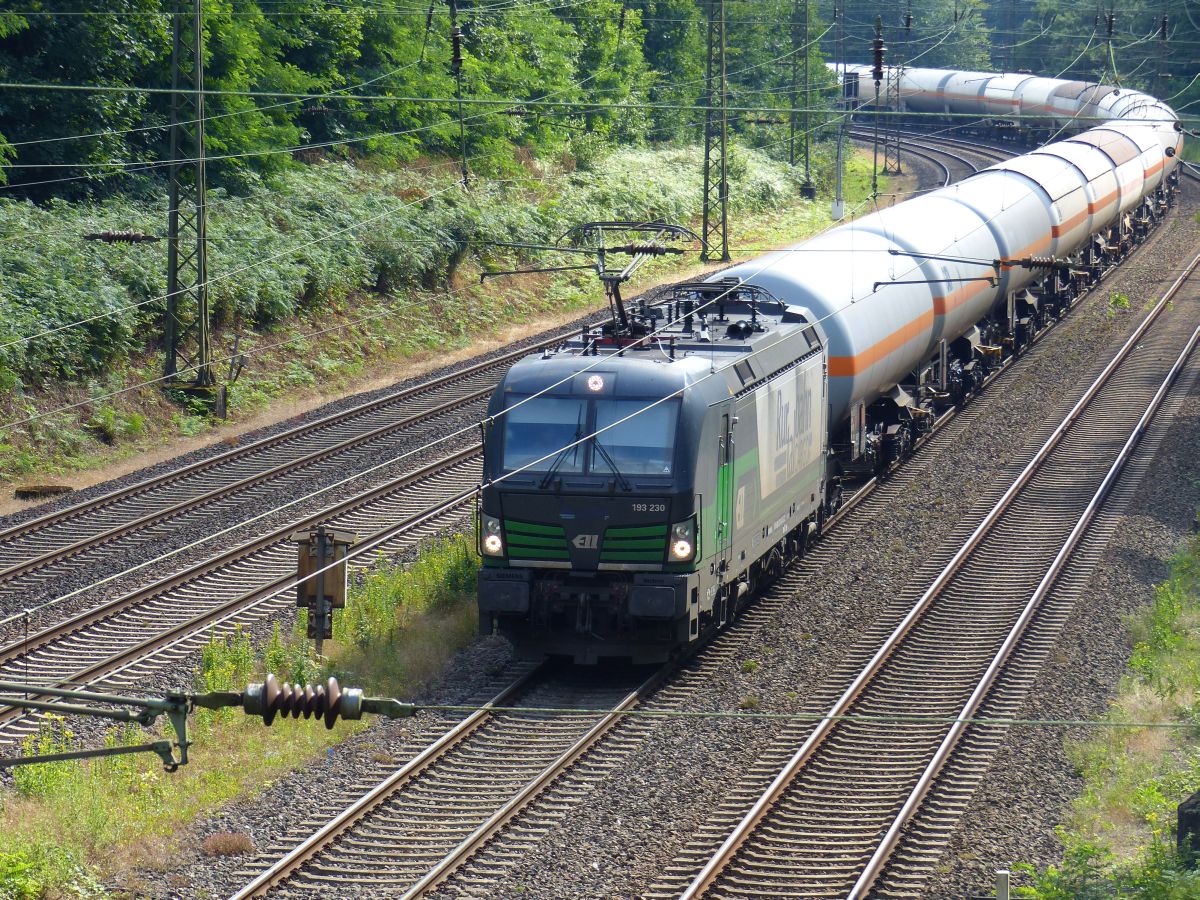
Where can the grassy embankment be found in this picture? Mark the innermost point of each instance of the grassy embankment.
(1119, 839)
(66, 829)
(322, 302)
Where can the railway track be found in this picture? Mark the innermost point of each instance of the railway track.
(92, 541)
(114, 643)
(418, 826)
(936, 158)
(91, 536)
(401, 833)
(940, 152)
(111, 643)
(269, 597)
(826, 808)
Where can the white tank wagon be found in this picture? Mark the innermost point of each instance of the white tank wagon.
(920, 300)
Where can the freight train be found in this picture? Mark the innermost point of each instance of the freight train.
(643, 480)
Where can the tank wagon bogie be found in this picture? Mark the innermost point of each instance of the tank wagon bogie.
(645, 478)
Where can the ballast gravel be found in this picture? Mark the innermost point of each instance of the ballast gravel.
(1032, 782)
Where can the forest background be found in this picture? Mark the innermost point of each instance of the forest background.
(317, 108)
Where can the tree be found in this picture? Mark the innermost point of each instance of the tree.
(10, 24)
(673, 48)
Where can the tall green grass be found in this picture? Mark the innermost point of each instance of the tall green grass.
(404, 622)
(67, 826)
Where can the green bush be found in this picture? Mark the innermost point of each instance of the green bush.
(1089, 872)
(1134, 776)
(31, 873)
(311, 236)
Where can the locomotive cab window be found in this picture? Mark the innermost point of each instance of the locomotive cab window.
(641, 445)
(538, 431)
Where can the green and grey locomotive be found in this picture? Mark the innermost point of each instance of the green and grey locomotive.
(633, 499)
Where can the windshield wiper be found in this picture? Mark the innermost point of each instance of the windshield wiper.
(621, 479)
(562, 454)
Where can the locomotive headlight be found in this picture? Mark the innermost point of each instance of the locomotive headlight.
(683, 541)
(493, 543)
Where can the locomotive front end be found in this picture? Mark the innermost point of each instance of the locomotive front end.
(588, 530)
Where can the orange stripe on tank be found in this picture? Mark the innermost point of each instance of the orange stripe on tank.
(956, 298)
(1067, 225)
(852, 365)
(1103, 202)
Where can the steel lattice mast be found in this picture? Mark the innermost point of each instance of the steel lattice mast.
(186, 328)
(895, 100)
(716, 137)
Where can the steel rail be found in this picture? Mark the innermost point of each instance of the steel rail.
(749, 822)
(397, 398)
(357, 812)
(319, 839)
(520, 801)
(946, 175)
(23, 645)
(57, 555)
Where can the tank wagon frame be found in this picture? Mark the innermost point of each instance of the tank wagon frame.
(643, 479)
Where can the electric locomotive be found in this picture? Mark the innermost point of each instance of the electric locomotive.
(636, 490)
